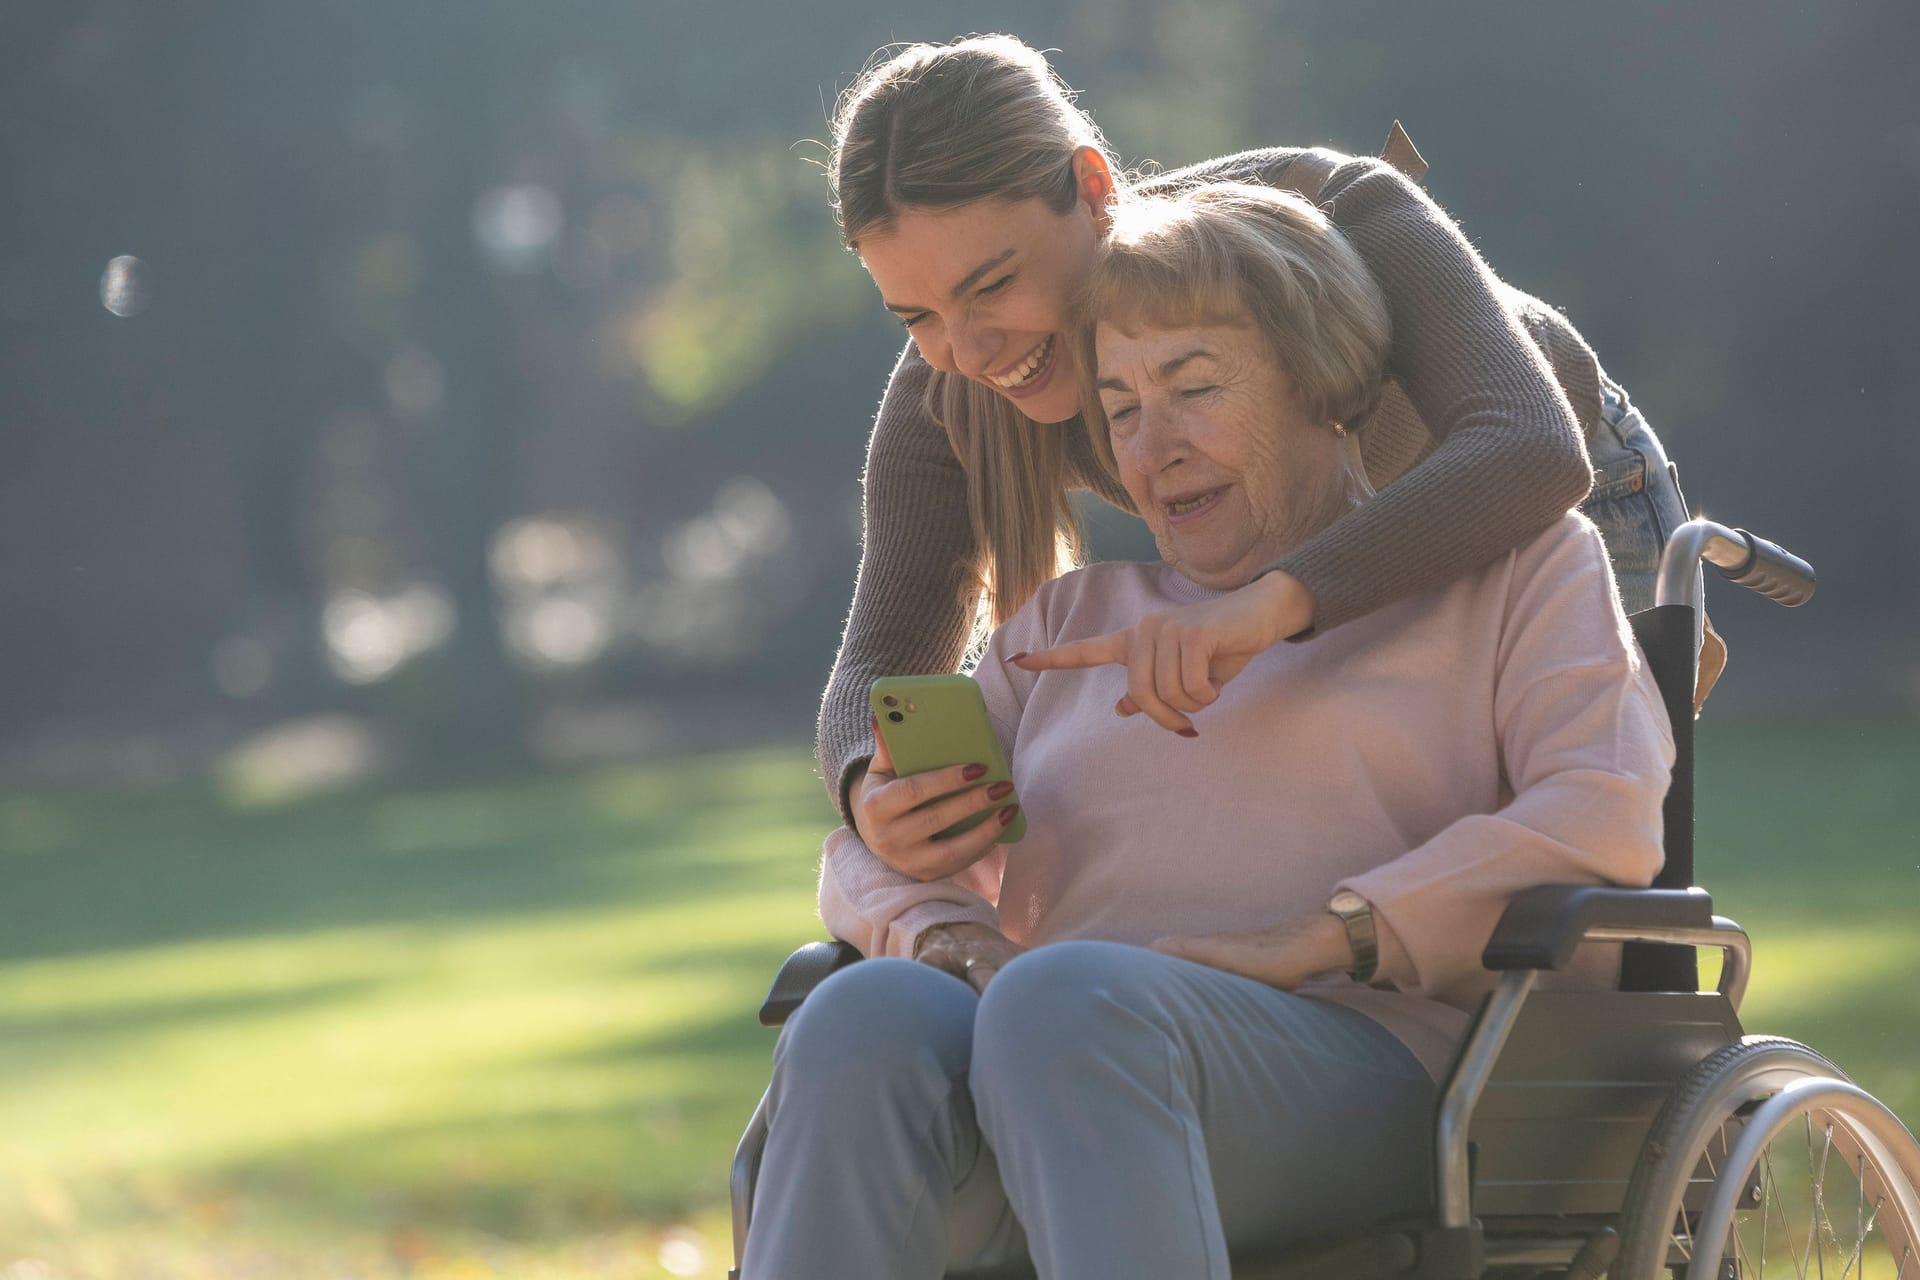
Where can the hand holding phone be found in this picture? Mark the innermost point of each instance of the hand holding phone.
(939, 778)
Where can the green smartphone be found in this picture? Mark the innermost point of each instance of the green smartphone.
(933, 722)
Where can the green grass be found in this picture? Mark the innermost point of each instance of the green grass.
(509, 1031)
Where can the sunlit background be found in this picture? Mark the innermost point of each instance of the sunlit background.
(430, 439)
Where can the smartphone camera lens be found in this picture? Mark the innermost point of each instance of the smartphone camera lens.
(890, 701)
(895, 716)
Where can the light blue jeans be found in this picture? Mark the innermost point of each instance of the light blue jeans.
(1104, 1110)
(1636, 501)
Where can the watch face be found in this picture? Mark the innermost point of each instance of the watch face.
(1347, 900)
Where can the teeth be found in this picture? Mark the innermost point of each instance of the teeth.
(1025, 370)
(1187, 504)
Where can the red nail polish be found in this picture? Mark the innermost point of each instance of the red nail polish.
(974, 772)
(1188, 733)
(1015, 657)
(999, 791)
(1006, 814)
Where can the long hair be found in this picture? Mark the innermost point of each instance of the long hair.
(937, 126)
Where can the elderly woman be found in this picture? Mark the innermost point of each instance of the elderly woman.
(1203, 1003)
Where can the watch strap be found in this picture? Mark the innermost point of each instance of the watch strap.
(1362, 935)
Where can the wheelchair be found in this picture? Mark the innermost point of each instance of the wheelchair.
(1632, 1133)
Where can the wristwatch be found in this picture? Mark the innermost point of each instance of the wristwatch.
(1356, 913)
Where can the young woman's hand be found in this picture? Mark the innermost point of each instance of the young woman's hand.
(1177, 660)
(889, 819)
(970, 952)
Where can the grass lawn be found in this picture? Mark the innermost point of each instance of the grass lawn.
(509, 1031)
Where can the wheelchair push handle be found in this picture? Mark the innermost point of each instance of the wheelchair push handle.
(1741, 557)
(1773, 571)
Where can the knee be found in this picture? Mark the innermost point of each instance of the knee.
(1056, 1009)
(874, 1022)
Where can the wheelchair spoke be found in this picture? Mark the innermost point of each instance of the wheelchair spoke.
(1766, 1204)
(1740, 1253)
(1860, 1226)
(1821, 1222)
(1866, 1223)
(1770, 1189)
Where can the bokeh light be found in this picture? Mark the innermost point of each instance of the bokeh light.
(369, 637)
(123, 286)
(515, 226)
(561, 584)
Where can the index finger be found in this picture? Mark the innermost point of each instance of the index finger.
(1096, 652)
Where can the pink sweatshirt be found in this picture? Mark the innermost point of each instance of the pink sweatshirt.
(1436, 756)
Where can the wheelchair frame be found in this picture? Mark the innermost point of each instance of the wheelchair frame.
(1527, 1081)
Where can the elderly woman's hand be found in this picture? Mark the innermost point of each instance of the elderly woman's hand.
(889, 818)
(970, 952)
(1177, 661)
(1282, 955)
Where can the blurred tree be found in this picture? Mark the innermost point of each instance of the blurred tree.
(327, 389)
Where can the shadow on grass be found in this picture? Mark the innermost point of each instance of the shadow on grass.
(30, 1037)
(116, 872)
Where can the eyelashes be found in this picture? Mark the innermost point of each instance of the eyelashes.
(986, 291)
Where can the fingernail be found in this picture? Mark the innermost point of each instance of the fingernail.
(1015, 657)
(973, 772)
(1006, 814)
(999, 791)
(1188, 733)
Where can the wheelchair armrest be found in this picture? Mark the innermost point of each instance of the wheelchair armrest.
(804, 970)
(1541, 926)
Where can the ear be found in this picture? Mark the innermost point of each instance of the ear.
(1094, 181)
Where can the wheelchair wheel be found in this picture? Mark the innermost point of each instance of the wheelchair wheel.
(1767, 1160)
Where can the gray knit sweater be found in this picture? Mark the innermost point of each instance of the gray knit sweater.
(1477, 445)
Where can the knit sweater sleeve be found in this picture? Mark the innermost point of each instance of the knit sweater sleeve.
(1511, 457)
(914, 599)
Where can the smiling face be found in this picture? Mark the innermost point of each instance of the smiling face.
(1213, 450)
(984, 290)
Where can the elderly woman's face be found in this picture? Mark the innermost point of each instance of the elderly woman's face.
(1212, 449)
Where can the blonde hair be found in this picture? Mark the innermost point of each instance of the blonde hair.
(937, 126)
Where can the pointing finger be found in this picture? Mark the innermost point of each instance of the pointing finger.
(1096, 652)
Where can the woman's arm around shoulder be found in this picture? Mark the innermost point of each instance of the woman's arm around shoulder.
(914, 598)
(1511, 456)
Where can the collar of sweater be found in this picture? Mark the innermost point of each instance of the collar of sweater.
(1181, 589)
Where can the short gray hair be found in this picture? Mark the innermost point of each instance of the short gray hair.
(1238, 254)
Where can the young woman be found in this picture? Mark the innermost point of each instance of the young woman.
(975, 195)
